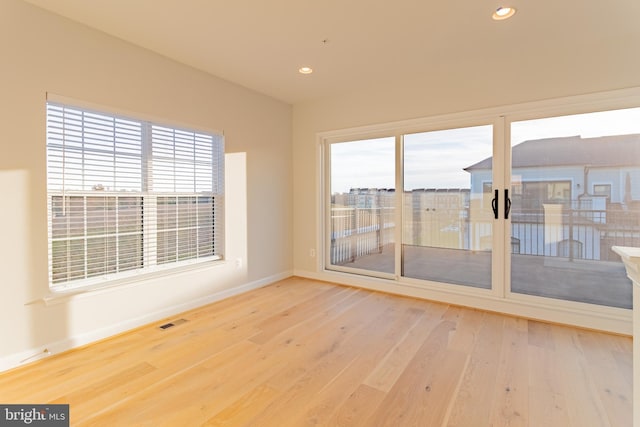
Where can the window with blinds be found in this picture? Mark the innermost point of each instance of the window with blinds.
(127, 196)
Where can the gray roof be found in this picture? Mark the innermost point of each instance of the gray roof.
(618, 150)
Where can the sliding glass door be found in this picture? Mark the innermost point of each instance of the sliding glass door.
(361, 221)
(575, 194)
(447, 233)
(523, 209)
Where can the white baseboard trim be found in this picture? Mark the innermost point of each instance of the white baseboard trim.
(18, 359)
(587, 316)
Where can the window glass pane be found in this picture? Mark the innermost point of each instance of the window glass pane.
(167, 232)
(576, 193)
(91, 237)
(363, 204)
(205, 226)
(184, 161)
(92, 151)
(185, 228)
(447, 217)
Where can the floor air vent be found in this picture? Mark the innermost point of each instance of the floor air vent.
(172, 324)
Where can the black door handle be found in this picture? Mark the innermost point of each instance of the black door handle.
(494, 204)
(507, 204)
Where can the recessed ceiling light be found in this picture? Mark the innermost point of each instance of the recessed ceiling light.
(503, 12)
(305, 70)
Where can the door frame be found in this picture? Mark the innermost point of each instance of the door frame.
(500, 298)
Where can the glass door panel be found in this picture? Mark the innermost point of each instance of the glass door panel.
(447, 216)
(575, 193)
(363, 205)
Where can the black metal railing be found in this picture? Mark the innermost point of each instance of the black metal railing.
(553, 231)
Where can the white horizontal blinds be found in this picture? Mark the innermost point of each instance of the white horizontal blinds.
(187, 176)
(186, 162)
(127, 195)
(187, 228)
(94, 236)
(94, 181)
(92, 151)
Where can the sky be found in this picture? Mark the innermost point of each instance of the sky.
(437, 159)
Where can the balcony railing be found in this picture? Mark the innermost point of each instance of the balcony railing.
(360, 231)
(555, 231)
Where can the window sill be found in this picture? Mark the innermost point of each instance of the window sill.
(59, 296)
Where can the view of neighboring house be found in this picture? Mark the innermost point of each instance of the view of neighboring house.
(571, 196)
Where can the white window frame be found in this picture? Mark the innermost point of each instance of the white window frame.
(149, 197)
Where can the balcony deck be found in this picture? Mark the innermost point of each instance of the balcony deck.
(594, 282)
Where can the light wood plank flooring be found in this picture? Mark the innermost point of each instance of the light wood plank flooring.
(307, 353)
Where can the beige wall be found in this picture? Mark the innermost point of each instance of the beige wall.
(42, 53)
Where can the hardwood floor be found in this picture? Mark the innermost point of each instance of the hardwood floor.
(306, 353)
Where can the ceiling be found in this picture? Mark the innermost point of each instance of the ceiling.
(355, 45)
